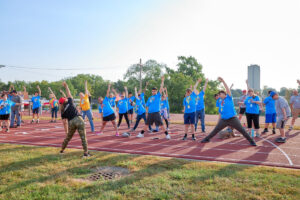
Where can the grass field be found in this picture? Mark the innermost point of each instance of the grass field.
(29, 172)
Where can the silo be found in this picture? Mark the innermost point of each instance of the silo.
(254, 77)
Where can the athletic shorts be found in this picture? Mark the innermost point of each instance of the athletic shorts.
(36, 111)
(4, 117)
(242, 111)
(296, 113)
(189, 118)
(130, 112)
(281, 123)
(271, 118)
(109, 117)
(154, 118)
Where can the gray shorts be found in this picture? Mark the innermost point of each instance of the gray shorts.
(281, 123)
(154, 118)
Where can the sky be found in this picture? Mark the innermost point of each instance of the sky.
(224, 36)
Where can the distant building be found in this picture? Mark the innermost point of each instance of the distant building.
(254, 77)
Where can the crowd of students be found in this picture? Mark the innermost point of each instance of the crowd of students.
(155, 110)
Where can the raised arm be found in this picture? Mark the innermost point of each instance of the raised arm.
(62, 93)
(39, 89)
(114, 91)
(136, 93)
(126, 91)
(162, 84)
(108, 90)
(24, 88)
(86, 88)
(205, 85)
(166, 92)
(225, 85)
(298, 81)
(65, 85)
(145, 89)
(49, 88)
(196, 85)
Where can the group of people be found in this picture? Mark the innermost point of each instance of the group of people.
(156, 110)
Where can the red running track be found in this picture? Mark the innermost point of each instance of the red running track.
(233, 150)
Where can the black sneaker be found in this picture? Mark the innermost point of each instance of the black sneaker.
(61, 152)
(184, 138)
(205, 140)
(265, 131)
(252, 143)
(274, 131)
(194, 138)
(85, 155)
(280, 140)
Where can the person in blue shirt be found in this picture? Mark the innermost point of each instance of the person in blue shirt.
(153, 110)
(141, 94)
(200, 108)
(189, 103)
(252, 103)
(36, 105)
(112, 99)
(228, 116)
(165, 108)
(270, 113)
(131, 99)
(5, 110)
(107, 112)
(123, 108)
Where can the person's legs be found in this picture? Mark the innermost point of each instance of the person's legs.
(296, 113)
(103, 126)
(12, 118)
(221, 125)
(197, 116)
(202, 119)
(18, 118)
(120, 119)
(235, 123)
(115, 125)
(256, 123)
(55, 113)
(127, 120)
(167, 123)
(82, 133)
(280, 125)
(71, 131)
(52, 114)
(83, 114)
(90, 117)
(249, 121)
(66, 126)
(7, 125)
(138, 119)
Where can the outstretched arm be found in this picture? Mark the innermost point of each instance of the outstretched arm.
(67, 89)
(108, 90)
(205, 86)
(145, 89)
(166, 92)
(136, 93)
(162, 84)
(115, 92)
(86, 88)
(51, 92)
(196, 85)
(24, 88)
(225, 85)
(126, 91)
(39, 89)
(63, 94)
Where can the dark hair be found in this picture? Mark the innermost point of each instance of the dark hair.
(154, 88)
(222, 91)
(269, 92)
(216, 94)
(188, 90)
(3, 95)
(129, 92)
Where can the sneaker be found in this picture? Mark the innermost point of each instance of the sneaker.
(274, 131)
(252, 143)
(99, 133)
(85, 155)
(257, 134)
(280, 140)
(168, 137)
(51, 121)
(37, 121)
(32, 121)
(194, 138)
(265, 131)
(7, 130)
(140, 135)
(184, 138)
(291, 128)
(117, 134)
(205, 140)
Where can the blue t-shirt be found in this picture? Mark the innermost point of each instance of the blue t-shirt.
(189, 103)
(123, 105)
(200, 101)
(252, 108)
(218, 102)
(106, 108)
(140, 108)
(131, 99)
(153, 103)
(142, 97)
(164, 104)
(270, 105)
(112, 101)
(36, 102)
(5, 106)
(226, 107)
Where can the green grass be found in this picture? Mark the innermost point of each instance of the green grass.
(28, 172)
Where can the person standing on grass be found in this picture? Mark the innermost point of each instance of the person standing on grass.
(64, 120)
(5, 110)
(75, 121)
(165, 107)
(228, 116)
(86, 107)
(200, 108)
(153, 110)
(295, 106)
(269, 102)
(189, 103)
(283, 114)
(252, 103)
(36, 105)
(130, 107)
(108, 113)
(53, 105)
(15, 109)
(123, 108)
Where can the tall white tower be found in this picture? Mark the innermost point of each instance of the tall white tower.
(254, 77)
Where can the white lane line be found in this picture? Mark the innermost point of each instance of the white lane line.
(287, 157)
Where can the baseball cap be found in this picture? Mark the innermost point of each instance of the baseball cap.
(62, 100)
(273, 93)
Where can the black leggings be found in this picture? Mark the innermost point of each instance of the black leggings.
(126, 118)
(252, 118)
(167, 123)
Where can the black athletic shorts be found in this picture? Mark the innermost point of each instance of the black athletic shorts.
(109, 117)
(130, 112)
(4, 117)
(154, 118)
(242, 111)
(36, 111)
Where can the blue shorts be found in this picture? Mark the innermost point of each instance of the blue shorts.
(130, 111)
(36, 110)
(271, 118)
(189, 118)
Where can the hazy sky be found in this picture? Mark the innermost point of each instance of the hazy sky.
(224, 36)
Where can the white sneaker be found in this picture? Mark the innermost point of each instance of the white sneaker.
(140, 135)
(168, 137)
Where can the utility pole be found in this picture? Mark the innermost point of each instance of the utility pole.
(140, 74)
(1, 66)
